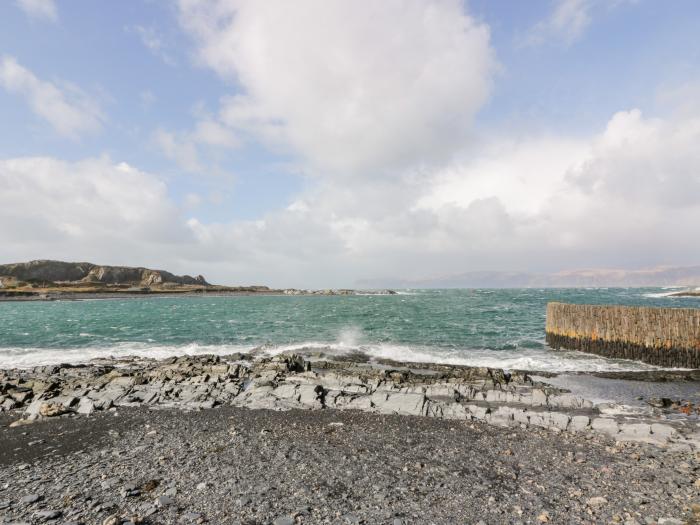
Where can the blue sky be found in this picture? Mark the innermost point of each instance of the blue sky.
(291, 144)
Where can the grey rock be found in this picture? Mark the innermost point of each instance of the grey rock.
(47, 515)
(606, 425)
(164, 501)
(283, 520)
(30, 498)
(86, 406)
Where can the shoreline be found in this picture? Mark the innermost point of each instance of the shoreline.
(234, 465)
(315, 380)
(321, 439)
(81, 296)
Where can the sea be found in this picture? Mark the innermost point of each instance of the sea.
(482, 327)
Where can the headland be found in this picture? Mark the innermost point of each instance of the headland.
(45, 280)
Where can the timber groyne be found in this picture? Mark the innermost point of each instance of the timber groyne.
(658, 336)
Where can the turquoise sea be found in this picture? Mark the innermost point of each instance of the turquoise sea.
(503, 328)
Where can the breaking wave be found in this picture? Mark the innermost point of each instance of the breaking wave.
(542, 360)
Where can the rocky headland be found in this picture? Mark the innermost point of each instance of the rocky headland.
(51, 280)
(318, 438)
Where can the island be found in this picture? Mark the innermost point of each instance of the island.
(51, 280)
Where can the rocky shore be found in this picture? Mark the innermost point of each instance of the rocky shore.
(317, 439)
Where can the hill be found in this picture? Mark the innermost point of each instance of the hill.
(59, 272)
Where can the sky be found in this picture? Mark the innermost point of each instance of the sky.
(319, 143)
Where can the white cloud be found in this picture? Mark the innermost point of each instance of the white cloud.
(69, 111)
(154, 42)
(39, 8)
(628, 196)
(213, 133)
(567, 22)
(89, 210)
(349, 87)
(181, 150)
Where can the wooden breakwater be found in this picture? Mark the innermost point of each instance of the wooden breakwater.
(658, 336)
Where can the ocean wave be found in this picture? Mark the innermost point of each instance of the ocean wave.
(658, 295)
(543, 360)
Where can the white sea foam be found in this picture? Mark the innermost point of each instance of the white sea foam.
(660, 295)
(524, 359)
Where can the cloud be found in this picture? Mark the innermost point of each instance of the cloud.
(183, 148)
(361, 88)
(154, 42)
(628, 196)
(69, 111)
(567, 22)
(93, 209)
(39, 9)
(213, 133)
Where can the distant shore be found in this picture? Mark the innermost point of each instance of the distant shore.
(74, 295)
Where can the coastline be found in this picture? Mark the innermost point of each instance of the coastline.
(290, 439)
(235, 465)
(24, 296)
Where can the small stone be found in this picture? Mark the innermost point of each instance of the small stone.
(191, 516)
(150, 485)
(21, 422)
(86, 406)
(164, 501)
(201, 486)
(543, 517)
(30, 498)
(245, 500)
(596, 501)
(150, 511)
(48, 514)
(52, 409)
(4, 504)
(283, 520)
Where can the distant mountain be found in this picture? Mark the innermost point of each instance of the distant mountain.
(662, 276)
(69, 272)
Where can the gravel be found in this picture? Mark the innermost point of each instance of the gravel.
(239, 466)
